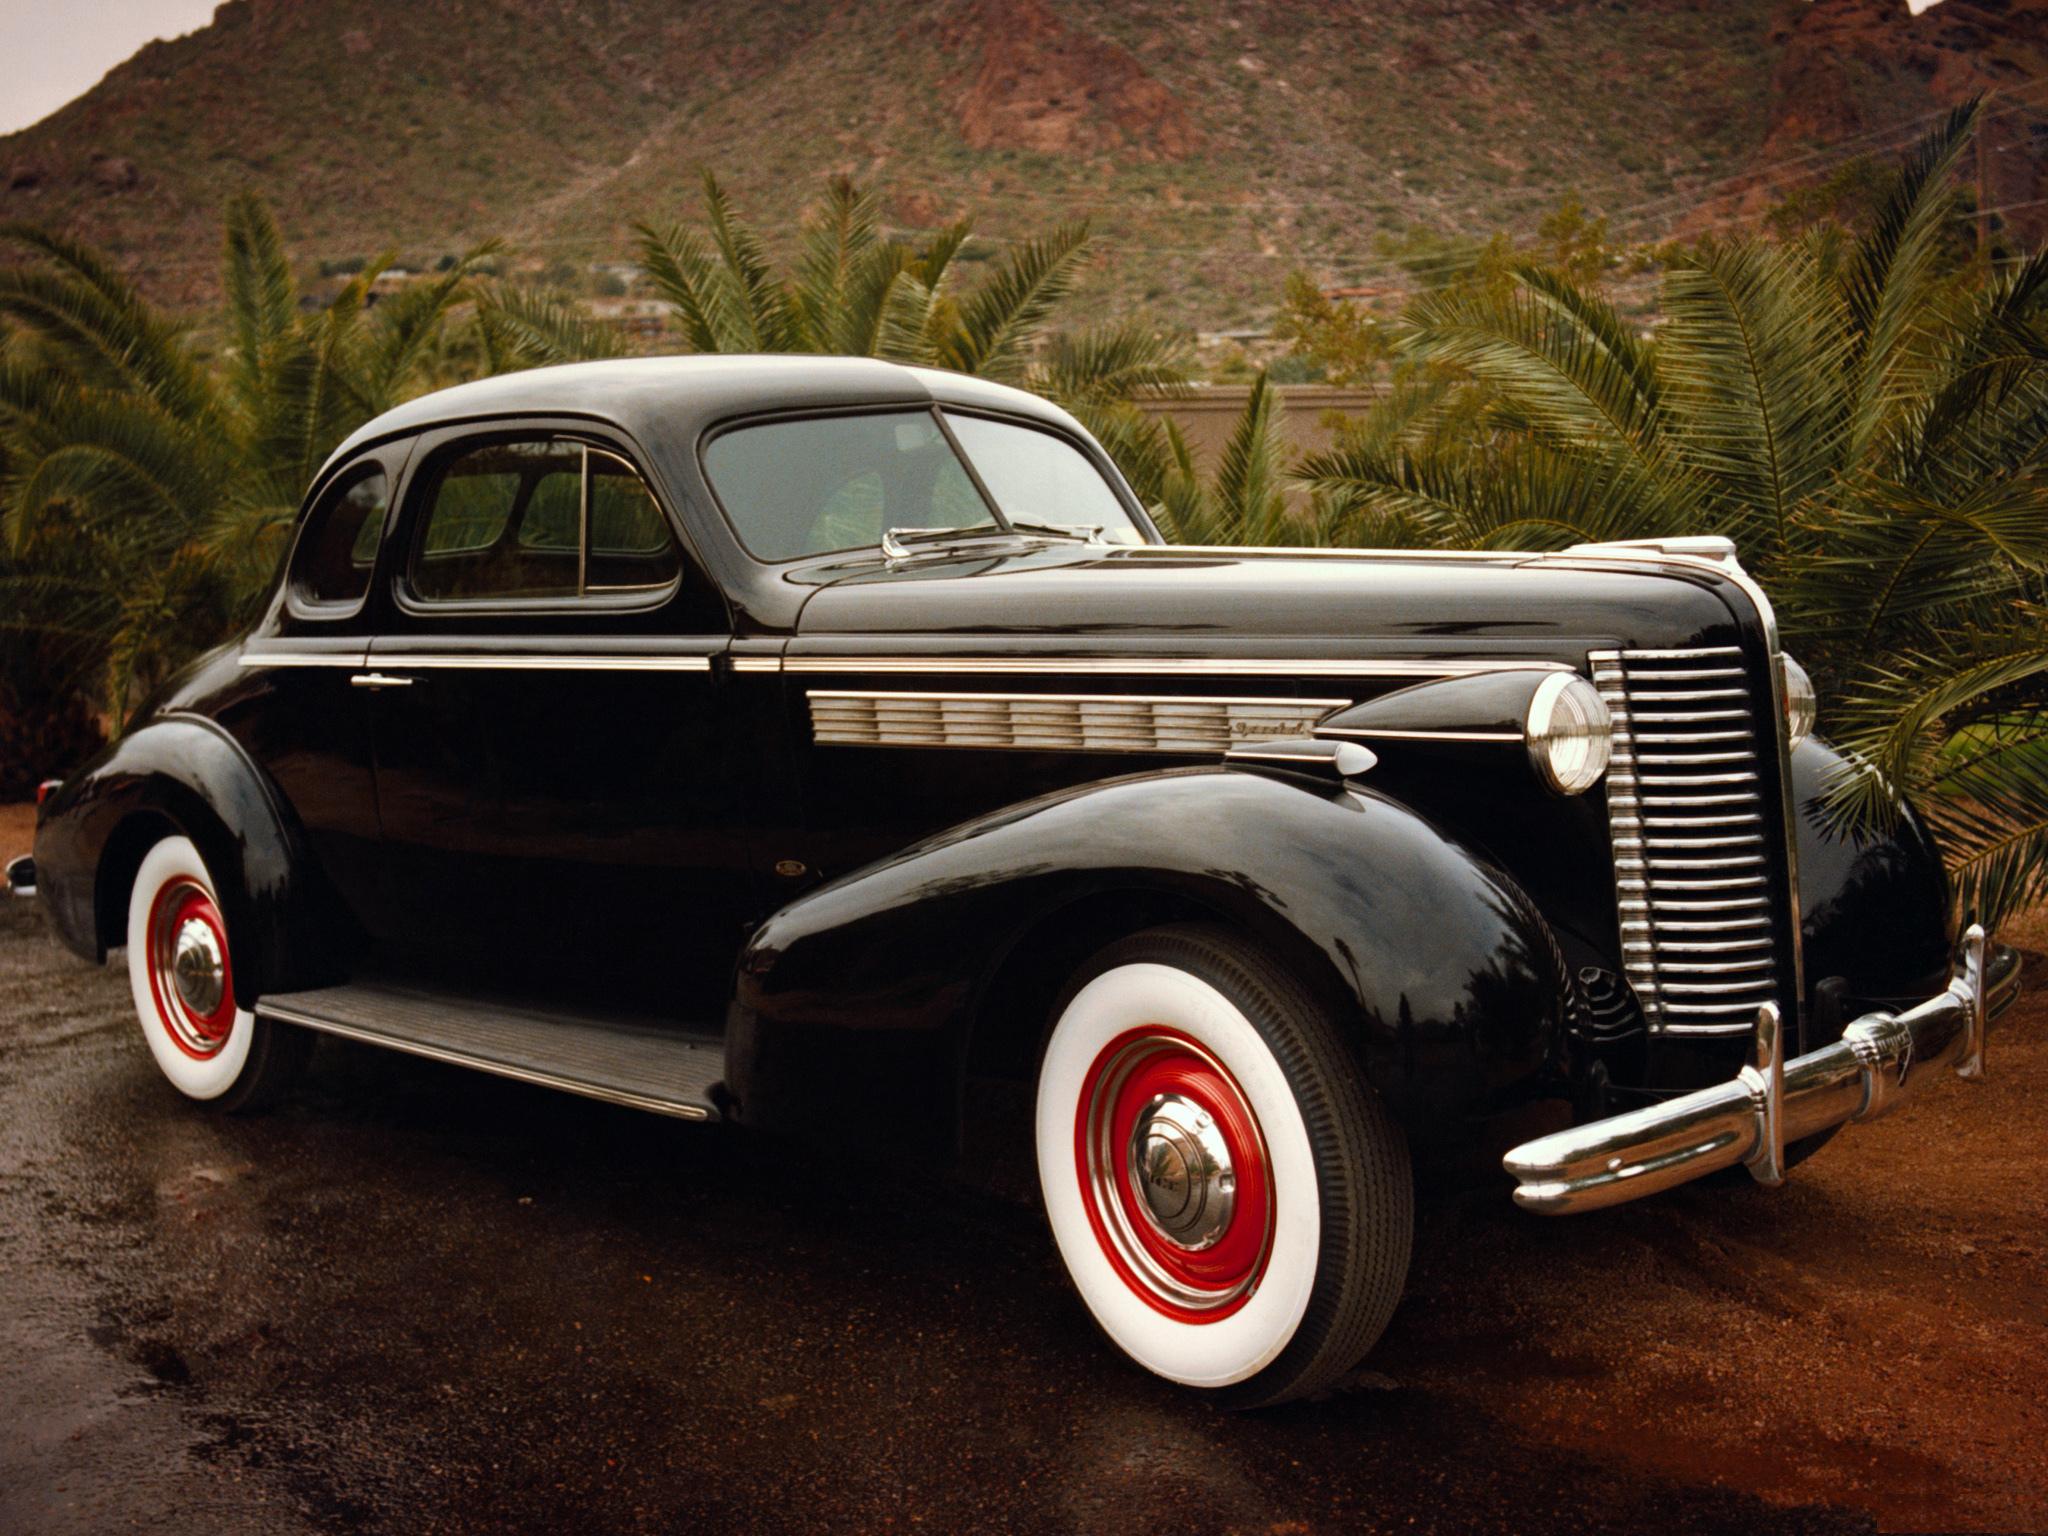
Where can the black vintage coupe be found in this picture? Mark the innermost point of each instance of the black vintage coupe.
(834, 748)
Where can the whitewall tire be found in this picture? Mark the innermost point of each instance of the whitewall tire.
(1231, 1201)
(182, 975)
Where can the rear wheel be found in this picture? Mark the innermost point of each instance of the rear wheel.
(183, 980)
(1231, 1200)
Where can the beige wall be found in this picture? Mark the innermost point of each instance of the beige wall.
(1207, 413)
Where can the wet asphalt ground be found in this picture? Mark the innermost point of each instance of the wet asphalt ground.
(414, 1299)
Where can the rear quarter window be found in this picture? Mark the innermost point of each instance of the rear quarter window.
(337, 549)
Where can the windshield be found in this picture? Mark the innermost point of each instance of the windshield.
(826, 483)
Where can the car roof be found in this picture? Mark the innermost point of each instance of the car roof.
(681, 396)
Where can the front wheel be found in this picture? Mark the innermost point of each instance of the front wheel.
(179, 969)
(1232, 1202)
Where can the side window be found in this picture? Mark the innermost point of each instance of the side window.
(537, 519)
(631, 547)
(338, 546)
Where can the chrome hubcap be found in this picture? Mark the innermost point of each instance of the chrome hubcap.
(197, 969)
(1180, 1166)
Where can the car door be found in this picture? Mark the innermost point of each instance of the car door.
(294, 710)
(559, 800)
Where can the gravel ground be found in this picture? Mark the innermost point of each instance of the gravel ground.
(414, 1299)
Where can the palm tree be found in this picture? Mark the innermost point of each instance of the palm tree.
(1866, 420)
(145, 495)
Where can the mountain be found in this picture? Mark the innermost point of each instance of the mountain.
(1215, 144)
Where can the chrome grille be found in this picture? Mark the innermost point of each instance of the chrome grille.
(1688, 819)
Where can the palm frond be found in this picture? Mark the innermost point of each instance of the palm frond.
(96, 325)
(1754, 347)
(1990, 815)
(1890, 282)
(262, 298)
(1117, 361)
(1577, 382)
(839, 244)
(758, 308)
(525, 328)
(998, 320)
(403, 327)
(684, 273)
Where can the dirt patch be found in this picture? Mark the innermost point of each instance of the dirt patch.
(1042, 85)
(1875, 1333)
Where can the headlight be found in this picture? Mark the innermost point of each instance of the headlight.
(1801, 707)
(1568, 733)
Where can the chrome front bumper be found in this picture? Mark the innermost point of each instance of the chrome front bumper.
(1748, 1120)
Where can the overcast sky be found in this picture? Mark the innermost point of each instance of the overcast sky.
(53, 50)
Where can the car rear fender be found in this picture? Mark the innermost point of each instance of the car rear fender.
(180, 774)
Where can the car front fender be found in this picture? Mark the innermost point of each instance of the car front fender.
(1443, 976)
(1874, 902)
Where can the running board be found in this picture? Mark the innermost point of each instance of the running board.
(668, 1072)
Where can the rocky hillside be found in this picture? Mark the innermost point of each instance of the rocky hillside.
(1215, 142)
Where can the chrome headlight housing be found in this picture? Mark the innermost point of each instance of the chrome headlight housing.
(1569, 733)
(1802, 708)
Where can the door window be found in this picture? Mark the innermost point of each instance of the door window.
(539, 519)
(338, 546)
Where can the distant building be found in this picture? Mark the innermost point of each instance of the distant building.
(631, 317)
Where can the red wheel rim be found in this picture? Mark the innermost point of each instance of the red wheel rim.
(190, 980)
(1174, 1174)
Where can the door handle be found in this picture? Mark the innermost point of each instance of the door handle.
(379, 680)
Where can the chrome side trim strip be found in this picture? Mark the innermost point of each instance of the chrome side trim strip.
(1162, 666)
(504, 661)
(300, 659)
(513, 661)
(757, 663)
(1059, 722)
(1392, 735)
(1324, 552)
(483, 1064)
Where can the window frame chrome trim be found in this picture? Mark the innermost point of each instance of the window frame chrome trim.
(451, 440)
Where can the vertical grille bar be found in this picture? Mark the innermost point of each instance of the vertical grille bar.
(1685, 811)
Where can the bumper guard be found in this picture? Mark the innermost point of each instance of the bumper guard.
(1749, 1119)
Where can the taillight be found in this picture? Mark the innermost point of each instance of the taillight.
(46, 789)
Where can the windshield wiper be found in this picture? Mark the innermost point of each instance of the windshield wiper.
(1087, 533)
(897, 543)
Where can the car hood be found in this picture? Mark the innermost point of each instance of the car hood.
(1077, 600)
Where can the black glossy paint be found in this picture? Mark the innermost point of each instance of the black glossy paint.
(1446, 975)
(1874, 905)
(614, 835)
(187, 774)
